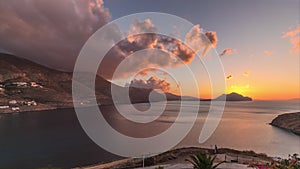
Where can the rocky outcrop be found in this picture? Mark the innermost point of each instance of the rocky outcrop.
(233, 97)
(288, 121)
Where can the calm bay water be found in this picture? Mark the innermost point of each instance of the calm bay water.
(55, 137)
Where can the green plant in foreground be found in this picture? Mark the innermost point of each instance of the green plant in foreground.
(203, 161)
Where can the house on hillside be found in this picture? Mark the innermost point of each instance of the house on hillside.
(31, 103)
(13, 102)
(20, 84)
(15, 108)
(34, 84)
(4, 107)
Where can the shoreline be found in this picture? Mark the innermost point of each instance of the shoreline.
(40, 109)
(288, 121)
(170, 158)
(178, 156)
(45, 107)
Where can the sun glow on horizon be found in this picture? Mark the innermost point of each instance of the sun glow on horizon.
(240, 89)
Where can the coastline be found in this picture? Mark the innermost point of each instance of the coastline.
(288, 121)
(178, 156)
(19, 107)
(61, 115)
(36, 109)
(45, 107)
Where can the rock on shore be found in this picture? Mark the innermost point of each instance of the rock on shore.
(288, 121)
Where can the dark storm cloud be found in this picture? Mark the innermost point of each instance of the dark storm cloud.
(53, 32)
(49, 32)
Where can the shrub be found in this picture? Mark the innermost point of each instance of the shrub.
(203, 161)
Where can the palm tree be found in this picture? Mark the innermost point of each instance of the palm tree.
(203, 161)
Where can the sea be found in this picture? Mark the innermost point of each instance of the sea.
(55, 138)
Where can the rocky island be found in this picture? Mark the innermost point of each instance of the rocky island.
(288, 121)
(233, 97)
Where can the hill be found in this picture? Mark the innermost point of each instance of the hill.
(27, 86)
(233, 97)
(288, 121)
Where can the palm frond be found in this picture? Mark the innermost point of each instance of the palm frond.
(203, 161)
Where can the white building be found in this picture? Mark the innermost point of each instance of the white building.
(19, 84)
(4, 107)
(31, 103)
(34, 84)
(15, 108)
(13, 102)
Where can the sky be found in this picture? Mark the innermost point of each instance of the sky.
(257, 41)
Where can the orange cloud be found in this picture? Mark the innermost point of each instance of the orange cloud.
(268, 53)
(199, 40)
(228, 51)
(292, 32)
(152, 83)
(212, 37)
(172, 53)
(146, 71)
(229, 77)
(246, 73)
(294, 35)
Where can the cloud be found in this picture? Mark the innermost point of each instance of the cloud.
(268, 53)
(52, 33)
(169, 53)
(49, 32)
(199, 40)
(294, 36)
(246, 73)
(228, 51)
(135, 60)
(292, 32)
(229, 77)
(146, 71)
(152, 83)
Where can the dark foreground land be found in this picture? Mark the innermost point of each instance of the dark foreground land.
(179, 155)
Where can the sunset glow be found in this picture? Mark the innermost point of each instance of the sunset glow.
(258, 51)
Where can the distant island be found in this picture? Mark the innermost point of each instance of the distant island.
(288, 121)
(28, 86)
(233, 97)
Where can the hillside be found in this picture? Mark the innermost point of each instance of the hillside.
(288, 121)
(27, 86)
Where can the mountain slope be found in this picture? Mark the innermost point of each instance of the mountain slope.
(29, 86)
(22, 80)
